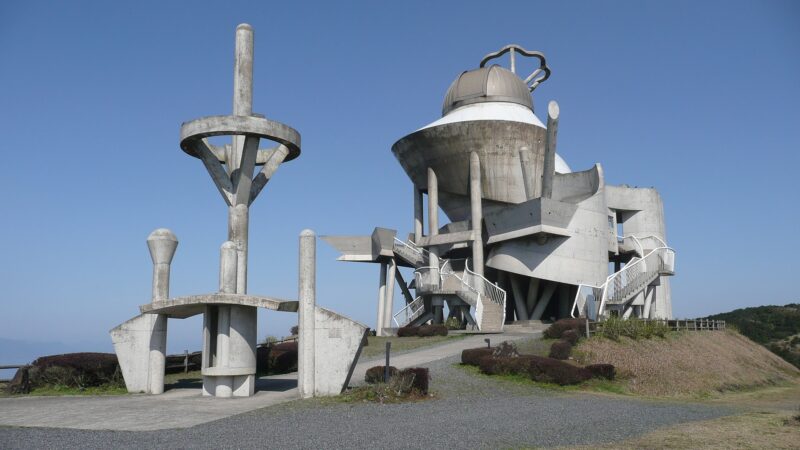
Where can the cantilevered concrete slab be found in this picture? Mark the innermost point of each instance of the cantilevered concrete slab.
(183, 307)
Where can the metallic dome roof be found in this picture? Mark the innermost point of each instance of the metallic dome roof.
(487, 84)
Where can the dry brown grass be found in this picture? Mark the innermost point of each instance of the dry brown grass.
(746, 431)
(689, 363)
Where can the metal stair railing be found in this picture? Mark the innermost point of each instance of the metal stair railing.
(631, 280)
(410, 312)
(409, 250)
(483, 287)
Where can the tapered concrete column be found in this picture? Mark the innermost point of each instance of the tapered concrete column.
(162, 244)
(418, 215)
(549, 168)
(476, 209)
(381, 300)
(388, 307)
(307, 288)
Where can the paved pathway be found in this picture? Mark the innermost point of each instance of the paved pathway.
(181, 408)
(176, 408)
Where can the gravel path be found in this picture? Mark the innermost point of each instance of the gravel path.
(472, 411)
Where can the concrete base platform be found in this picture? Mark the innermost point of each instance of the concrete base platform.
(176, 408)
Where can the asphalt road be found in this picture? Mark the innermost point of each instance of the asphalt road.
(470, 411)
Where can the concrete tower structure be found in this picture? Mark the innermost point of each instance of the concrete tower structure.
(329, 344)
(527, 238)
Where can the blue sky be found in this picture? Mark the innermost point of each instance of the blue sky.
(698, 99)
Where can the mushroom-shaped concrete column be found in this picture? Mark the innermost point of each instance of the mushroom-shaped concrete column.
(162, 244)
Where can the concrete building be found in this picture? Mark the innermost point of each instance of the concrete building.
(329, 344)
(527, 237)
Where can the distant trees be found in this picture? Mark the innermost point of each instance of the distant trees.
(775, 327)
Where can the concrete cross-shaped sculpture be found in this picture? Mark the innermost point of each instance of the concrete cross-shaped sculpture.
(231, 166)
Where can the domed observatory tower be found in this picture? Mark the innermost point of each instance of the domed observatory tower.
(527, 238)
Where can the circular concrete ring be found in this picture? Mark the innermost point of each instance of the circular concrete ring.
(239, 125)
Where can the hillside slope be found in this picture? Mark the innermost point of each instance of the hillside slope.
(776, 327)
(688, 363)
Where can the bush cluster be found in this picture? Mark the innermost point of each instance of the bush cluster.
(472, 356)
(557, 329)
(560, 349)
(546, 370)
(276, 358)
(453, 323)
(606, 371)
(77, 370)
(375, 374)
(614, 327)
(422, 331)
(404, 381)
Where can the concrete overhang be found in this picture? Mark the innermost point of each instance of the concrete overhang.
(539, 216)
(183, 307)
(382, 241)
(352, 248)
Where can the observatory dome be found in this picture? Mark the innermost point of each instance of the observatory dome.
(487, 84)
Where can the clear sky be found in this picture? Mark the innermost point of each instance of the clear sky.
(698, 99)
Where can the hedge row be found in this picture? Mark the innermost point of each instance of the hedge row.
(422, 331)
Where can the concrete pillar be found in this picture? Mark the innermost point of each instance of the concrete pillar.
(433, 214)
(549, 169)
(381, 300)
(220, 385)
(238, 224)
(533, 290)
(564, 302)
(527, 181)
(418, 214)
(162, 244)
(307, 295)
(519, 302)
(544, 300)
(476, 209)
(388, 308)
(242, 88)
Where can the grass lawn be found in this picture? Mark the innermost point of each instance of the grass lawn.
(377, 345)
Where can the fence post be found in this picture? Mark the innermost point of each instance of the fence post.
(186, 361)
(588, 333)
(386, 367)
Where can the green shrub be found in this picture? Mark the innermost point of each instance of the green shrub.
(432, 330)
(557, 329)
(560, 349)
(607, 371)
(570, 336)
(614, 327)
(419, 378)
(76, 370)
(472, 356)
(506, 349)
(546, 370)
(453, 323)
(376, 374)
(407, 331)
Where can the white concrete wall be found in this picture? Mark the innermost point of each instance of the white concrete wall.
(140, 345)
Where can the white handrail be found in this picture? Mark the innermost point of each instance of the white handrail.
(631, 278)
(411, 312)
